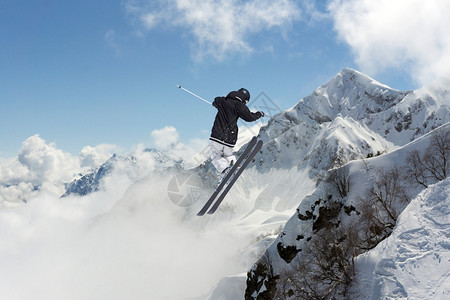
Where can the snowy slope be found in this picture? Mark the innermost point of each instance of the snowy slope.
(419, 112)
(324, 209)
(414, 262)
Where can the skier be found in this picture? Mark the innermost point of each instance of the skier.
(225, 130)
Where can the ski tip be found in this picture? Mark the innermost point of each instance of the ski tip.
(178, 86)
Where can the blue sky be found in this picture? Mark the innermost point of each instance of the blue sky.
(84, 73)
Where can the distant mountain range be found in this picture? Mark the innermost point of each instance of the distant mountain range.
(91, 181)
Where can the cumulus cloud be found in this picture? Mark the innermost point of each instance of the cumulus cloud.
(93, 157)
(192, 153)
(38, 166)
(165, 137)
(46, 161)
(41, 166)
(218, 27)
(404, 34)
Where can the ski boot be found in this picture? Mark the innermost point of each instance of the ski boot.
(224, 173)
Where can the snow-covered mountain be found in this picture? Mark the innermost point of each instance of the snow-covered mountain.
(350, 118)
(397, 116)
(92, 181)
(359, 114)
(331, 219)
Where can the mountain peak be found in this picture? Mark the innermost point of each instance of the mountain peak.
(354, 76)
(351, 82)
(396, 116)
(349, 72)
(350, 93)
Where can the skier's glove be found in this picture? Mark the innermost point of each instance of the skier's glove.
(262, 114)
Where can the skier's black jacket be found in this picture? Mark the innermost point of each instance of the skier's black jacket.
(230, 109)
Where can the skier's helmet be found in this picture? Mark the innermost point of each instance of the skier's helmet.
(246, 94)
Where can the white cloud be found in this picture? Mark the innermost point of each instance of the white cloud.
(404, 34)
(129, 239)
(218, 27)
(93, 157)
(165, 137)
(98, 247)
(38, 166)
(193, 152)
(45, 161)
(41, 166)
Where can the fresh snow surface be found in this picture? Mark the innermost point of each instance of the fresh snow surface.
(230, 287)
(414, 262)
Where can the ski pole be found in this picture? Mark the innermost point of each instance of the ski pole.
(180, 87)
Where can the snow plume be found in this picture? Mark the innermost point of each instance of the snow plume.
(218, 27)
(403, 34)
(139, 246)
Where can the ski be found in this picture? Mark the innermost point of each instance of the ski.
(233, 179)
(244, 154)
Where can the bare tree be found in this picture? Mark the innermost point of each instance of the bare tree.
(338, 175)
(325, 268)
(437, 155)
(339, 179)
(381, 206)
(432, 165)
(415, 168)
